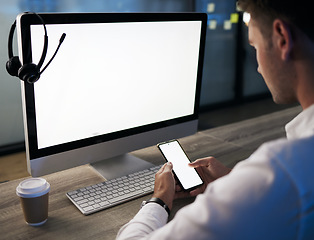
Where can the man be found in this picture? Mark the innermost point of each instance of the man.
(271, 194)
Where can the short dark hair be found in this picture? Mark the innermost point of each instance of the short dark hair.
(297, 12)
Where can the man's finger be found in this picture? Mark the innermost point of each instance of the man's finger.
(168, 166)
(195, 192)
(161, 169)
(199, 162)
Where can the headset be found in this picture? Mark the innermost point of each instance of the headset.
(29, 72)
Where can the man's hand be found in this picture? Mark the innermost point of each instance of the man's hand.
(165, 184)
(209, 169)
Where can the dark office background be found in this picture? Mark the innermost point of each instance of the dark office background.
(229, 75)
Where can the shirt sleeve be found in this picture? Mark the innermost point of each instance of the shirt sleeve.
(257, 200)
(150, 217)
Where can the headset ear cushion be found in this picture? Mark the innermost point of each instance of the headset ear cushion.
(13, 65)
(29, 73)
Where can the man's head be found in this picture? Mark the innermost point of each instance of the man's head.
(297, 12)
(278, 30)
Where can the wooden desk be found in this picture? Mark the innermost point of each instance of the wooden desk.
(229, 144)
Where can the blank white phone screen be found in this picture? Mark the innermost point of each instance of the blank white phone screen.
(173, 153)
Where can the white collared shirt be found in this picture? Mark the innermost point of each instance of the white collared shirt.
(268, 196)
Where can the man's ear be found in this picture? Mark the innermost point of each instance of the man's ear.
(283, 38)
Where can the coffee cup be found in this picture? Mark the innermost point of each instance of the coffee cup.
(33, 193)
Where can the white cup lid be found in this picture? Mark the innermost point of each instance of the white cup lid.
(32, 187)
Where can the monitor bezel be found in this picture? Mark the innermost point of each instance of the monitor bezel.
(28, 19)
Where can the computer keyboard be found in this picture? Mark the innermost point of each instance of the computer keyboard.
(113, 192)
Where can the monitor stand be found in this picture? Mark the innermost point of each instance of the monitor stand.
(120, 166)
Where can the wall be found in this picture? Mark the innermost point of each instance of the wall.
(11, 127)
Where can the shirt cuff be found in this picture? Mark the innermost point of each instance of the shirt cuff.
(154, 210)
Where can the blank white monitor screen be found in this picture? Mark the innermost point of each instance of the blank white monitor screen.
(115, 76)
(107, 75)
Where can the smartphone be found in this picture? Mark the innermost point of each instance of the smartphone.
(187, 176)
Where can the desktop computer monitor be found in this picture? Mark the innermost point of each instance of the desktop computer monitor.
(119, 82)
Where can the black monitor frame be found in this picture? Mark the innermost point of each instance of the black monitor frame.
(28, 19)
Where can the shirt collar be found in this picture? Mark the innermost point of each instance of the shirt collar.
(302, 125)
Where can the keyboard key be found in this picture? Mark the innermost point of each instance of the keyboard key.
(82, 201)
(104, 203)
(84, 205)
(73, 192)
(87, 209)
